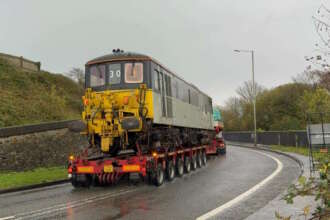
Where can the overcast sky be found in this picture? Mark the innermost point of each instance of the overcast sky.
(193, 38)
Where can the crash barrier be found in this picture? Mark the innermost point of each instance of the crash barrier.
(286, 138)
(34, 128)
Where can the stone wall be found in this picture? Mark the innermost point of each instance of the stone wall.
(42, 149)
(21, 62)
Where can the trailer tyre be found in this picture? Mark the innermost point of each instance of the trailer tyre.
(159, 175)
(193, 162)
(187, 164)
(199, 159)
(170, 171)
(204, 160)
(179, 167)
(88, 181)
(74, 181)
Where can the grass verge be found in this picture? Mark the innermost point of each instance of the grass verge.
(29, 97)
(298, 150)
(36, 176)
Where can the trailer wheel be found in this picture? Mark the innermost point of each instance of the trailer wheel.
(199, 159)
(74, 181)
(187, 164)
(159, 175)
(179, 167)
(88, 181)
(83, 180)
(170, 171)
(204, 160)
(193, 162)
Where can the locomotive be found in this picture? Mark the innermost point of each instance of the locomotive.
(134, 103)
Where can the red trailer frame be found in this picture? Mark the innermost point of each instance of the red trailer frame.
(84, 171)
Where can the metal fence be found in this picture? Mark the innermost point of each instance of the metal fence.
(286, 138)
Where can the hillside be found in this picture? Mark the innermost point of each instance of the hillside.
(32, 97)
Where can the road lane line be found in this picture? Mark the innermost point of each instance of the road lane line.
(8, 217)
(244, 195)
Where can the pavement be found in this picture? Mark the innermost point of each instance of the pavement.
(294, 210)
(216, 185)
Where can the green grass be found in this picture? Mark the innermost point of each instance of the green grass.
(299, 150)
(39, 175)
(32, 97)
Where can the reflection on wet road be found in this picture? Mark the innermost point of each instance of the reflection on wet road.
(191, 196)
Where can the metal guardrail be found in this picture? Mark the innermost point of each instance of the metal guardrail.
(286, 138)
(34, 128)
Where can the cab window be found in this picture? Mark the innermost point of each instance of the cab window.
(133, 72)
(156, 80)
(97, 75)
(114, 71)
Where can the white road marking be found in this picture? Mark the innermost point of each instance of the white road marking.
(62, 207)
(8, 218)
(244, 195)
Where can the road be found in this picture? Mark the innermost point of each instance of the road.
(218, 184)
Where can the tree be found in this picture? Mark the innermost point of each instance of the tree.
(316, 101)
(78, 75)
(232, 114)
(321, 22)
(277, 109)
(245, 91)
(325, 80)
(308, 77)
(314, 78)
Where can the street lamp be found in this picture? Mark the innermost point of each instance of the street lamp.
(254, 93)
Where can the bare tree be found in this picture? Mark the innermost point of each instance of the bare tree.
(308, 77)
(232, 113)
(233, 104)
(78, 75)
(246, 91)
(314, 78)
(322, 24)
(321, 21)
(325, 80)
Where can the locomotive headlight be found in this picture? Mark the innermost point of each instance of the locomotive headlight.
(125, 100)
(71, 158)
(86, 102)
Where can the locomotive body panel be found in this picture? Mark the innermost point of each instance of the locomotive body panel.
(184, 114)
(132, 98)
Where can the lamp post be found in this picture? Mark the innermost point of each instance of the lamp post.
(254, 93)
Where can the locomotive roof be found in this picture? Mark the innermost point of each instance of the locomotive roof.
(119, 56)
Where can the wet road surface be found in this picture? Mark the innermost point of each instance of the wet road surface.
(223, 179)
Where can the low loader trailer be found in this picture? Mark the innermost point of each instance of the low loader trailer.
(154, 167)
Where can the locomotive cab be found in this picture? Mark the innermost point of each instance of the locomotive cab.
(116, 75)
(116, 100)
